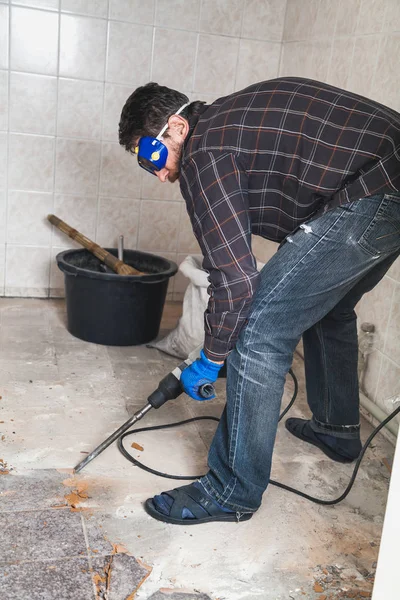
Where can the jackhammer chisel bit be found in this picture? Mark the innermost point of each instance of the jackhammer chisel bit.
(169, 388)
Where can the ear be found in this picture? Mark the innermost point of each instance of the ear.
(178, 127)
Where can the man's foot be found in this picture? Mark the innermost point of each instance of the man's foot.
(190, 505)
(339, 449)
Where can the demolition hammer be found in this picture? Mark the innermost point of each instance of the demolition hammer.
(169, 388)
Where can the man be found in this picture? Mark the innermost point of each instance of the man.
(317, 169)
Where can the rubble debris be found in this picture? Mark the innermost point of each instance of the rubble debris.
(77, 495)
(4, 469)
(338, 583)
(116, 573)
(137, 446)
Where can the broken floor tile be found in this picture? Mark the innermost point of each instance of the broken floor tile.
(67, 579)
(35, 489)
(39, 535)
(118, 576)
(98, 542)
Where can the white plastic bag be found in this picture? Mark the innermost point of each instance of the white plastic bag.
(189, 333)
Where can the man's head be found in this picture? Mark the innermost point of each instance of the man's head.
(146, 112)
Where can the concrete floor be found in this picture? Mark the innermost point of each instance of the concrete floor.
(88, 536)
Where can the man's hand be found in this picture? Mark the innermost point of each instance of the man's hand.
(201, 371)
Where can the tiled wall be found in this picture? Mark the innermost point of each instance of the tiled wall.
(355, 44)
(66, 69)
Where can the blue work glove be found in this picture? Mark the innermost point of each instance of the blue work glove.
(199, 372)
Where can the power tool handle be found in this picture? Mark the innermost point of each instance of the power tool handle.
(168, 389)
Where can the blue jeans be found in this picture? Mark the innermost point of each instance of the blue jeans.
(309, 288)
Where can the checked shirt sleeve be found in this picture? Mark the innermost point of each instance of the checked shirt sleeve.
(215, 189)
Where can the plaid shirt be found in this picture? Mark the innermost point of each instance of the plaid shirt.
(263, 161)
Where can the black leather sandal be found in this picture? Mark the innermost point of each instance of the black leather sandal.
(200, 505)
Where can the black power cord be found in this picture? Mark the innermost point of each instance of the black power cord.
(272, 482)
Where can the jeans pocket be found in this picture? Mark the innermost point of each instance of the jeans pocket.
(382, 236)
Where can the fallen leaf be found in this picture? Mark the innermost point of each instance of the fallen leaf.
(318, 587)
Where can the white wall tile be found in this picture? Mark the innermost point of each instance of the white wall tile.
(325, 20)
(321, 57)
(154, 189)
(115, 97)
(83, 43)
(375, 308)
(120, 173)
(339, 69)
(387, 80)
(388, 385)
(77, 166)
(3, 159)
(364, 65)
(347, 17)
(2, 267)
(300, 18)
(392, 16)
(27, 271)
(33, 102)
(92, 8)
(159, 226)
(371, 375)
(134, 11)
(187, 241)
(174, 58)
(129, 53)
(31, 163)
(392, 345)
(27, 218)
(179, 14)
(3, 217)
(3, 100)
(79, 212)
(266, 66)
(216, 64)
(171, 283)
(223, 17)
(118, 216)
(79, 108)
(57, 289)
(264, 20)
(49, 4)
(34, 40)
(297, 59)
(371, 16)
(4, 16)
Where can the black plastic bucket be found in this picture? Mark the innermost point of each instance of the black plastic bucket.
(111, 309)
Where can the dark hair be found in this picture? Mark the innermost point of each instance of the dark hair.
(148, 109)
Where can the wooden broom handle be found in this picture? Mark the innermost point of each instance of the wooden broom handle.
(111, 261)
